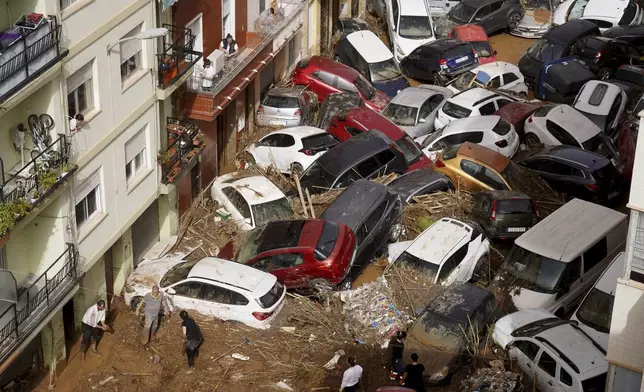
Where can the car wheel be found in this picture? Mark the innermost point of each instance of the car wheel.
(532, 140)
(437, 79)
(514, 20)
(296, 169)
(321, 285)
(245, 160)
(135, 303)
(604, 73)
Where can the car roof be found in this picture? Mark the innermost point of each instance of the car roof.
(582, 102)
(408, 183)
(352, 150)
(369, 46)
(607, 282)
(301, 131)
(468, 124)
(459, 301)
(472, 96)
(606, 10)
(577, 347)
(496, 68)
(281, 234)
(491, 158)
(230, 273)
(371, 120)
(443, 44)
(571, 31)
(255, 189)
(437, 241)
(588, 159)
(413, 8)
(572, 228)
(285, 91)
(517, 112)
(499, 195)
(470, 32)
(328, 65)
(355, 203)
(578, 125)
(413, 96)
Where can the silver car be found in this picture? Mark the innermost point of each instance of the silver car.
(285, 107)
(414, 108)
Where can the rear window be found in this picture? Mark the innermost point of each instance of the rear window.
(605, 173)
(456, 111)
(450, 152)
(409, 149)
(276, 101)
(502, 127)
(543, 111)
(514, 206)
(598, 95)
(320, 141)
(458, 51)
(316, 176)
(274, 294)
(629, 14)
(326, 243)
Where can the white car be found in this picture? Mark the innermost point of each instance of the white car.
(449, 251)
(603, 103)
(492, 132)
(292, 149)
(605, 14)
(470, 103)
(211, 286)
(409, 25)
(499, 74)
(555, 353)
(251, 200)
(596, 308)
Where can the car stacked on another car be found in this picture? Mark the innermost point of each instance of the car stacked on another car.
(497, 75)
(604, 55)
(414, 109)
(475, 35)
(604, 14)
(440, 61)
(492, 15)
(603, 103)
(419, 182)
(409, 25)
(345, 26)
(470, 103)
(285, 107)
(337, 103)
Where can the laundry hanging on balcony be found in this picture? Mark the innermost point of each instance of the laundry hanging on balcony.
(167, 3)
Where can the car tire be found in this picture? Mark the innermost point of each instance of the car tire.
(513, 20)
(532, 140)
(321, 285)
(437, 79)
(296, 169)
(604, 73)
(135, 303)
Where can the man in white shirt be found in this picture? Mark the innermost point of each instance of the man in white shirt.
(208, 74)
(93, 328)
(351, 376)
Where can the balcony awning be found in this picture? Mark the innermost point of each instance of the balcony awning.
(167, 3)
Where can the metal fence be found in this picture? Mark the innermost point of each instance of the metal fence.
(181, 135)
(178, 55)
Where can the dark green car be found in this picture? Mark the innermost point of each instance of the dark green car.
(504, 214)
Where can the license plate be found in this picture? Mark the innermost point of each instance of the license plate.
(516, 229)
(460, 60)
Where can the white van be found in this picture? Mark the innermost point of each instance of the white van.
(596, 309)
(410, 25)
(553, 264)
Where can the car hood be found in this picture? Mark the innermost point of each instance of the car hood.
(504, 327)
(408, 45)
(532, 21)
(526, 299)
(149, 272)
(380, 101)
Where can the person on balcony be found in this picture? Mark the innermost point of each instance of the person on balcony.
(229, 46)
(93, 328)
(207, 75)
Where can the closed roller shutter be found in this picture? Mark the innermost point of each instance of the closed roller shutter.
(145, 232)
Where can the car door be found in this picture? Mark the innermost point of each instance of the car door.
(186, 294)
(238, 207)
(511, 82)
(570, 289)
(525, 352)
(546, 372)
(453, 269)
(264, 150)
(435, 102)
(224, 303)
(482, 18)
(370, 236)
(393, 13)
(285, 152)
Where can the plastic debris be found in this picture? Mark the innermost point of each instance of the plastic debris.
(311, 338)
(241, 357)
(333, 361)
(288, 329)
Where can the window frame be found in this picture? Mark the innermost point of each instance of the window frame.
(237, 195)
(92, 184)
(595, 254)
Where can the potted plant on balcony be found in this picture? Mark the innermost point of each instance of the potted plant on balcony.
(11, 213)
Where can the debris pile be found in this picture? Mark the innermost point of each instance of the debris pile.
(496, 380)
(427, 209)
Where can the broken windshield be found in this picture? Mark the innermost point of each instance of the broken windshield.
(415, 27)
(596, 310)
(401, 115)
(177, 273)
(384, 70)
(273, 210)
(534, 272)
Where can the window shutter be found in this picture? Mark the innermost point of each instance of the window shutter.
(79, 77)
(131, 47)
(135, 145)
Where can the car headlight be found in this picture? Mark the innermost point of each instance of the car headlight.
(399, 51)
(545, 27)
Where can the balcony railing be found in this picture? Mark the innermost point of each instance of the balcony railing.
(178, 56)
(31, 47)
(185, 141)
(36, 301)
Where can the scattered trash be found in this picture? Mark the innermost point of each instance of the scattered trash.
(311, 338)
(284, 386)
(103, 382)
(288, 329)
(156, 358)
(331, 364)
(497, 380)
(241, 357)
(246, 340)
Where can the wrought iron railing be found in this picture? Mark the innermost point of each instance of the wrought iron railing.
(184, 137)
(36, 301)
(270, 27)
(178, 56)
(26, 181)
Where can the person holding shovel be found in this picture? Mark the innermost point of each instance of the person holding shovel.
(152, 302)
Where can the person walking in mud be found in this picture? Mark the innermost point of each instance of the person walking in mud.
(414, 376)
(93, 328)
(192, 338)
(397, 344)
(351, 377)
(152, 303)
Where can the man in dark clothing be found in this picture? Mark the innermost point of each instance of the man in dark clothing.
(192, 337)
(414, 377)
(228, 45)
(397, 344)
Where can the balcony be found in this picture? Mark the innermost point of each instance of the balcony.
(23, 309)
(29, 184)
(177, 59)
(269, 35)
(28, 48)
(185, 142)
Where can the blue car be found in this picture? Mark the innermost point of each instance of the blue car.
(560, 80)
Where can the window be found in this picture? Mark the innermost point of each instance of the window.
(370, 223)
(394, 12)
(237, 200)
(547, 364)
(80, 95)
(262, 6)
(346, 86)
(131, 53)
(288, 260)
(352, 131)
(595, 254)
(189, 289)
(528, 348)
(509, 78)
(470, 167)
(325, 77)
(425, 109)
(449, 266)
(561, 134)
(560, 169)
(271, 140)
(287, 141)
(435, 101)
(482, 12)
(135, 155)
(223, 296)
(602, 24)
(367, 167)
(385, 157)
(572, 272)
(495, 82)
(66, 3)
(565, 377)
(495, 6)
(291, 52)
(487, 109)
(88, 206)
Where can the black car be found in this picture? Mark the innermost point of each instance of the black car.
(337, 103)
(556, 44)
(345, 26)
(504, 214)
(444, 331)
(366, 155)
(492, 15)
(561, 81)
(634, 35)
(631, 79)
(420, 182)
(604, 55)
(577, 173)
(373, 213)
(439, 61)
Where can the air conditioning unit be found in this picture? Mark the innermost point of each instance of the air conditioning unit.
(218, 59)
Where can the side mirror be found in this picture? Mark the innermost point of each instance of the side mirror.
(170, 291)
(421, 121)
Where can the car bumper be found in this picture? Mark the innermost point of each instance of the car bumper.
(528, 33)
(503, 233)
(266, 121)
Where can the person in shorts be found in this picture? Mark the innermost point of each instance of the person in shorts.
(93, 328)
(152, 303)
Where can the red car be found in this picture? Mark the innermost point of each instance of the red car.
(475, 35)
(325, 76)
(362, 119)
(312, 253)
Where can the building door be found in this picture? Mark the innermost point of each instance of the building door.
(69, 325)
(109, 277)
(227, 18)
(145, 232)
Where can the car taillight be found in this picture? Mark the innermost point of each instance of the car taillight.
(261, 316)
(534, 207)
(306, 152)
(260, 109)
(439, 163)
(530, 120)
(493, 213)
(298, 112)
(442, 62)
(592, 187)
(502, 143)
(598, 55)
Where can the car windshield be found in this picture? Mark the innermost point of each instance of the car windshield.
(401, 115)
(596, 310)
(415, 27)
(273, 210)
(456, 111)
(277, 101)
(321, 141)
(463, 81)
(544, 50)
(248, 250)
(316, 176)
(384, 70)
(437, 331)
(601, 145)
(429, 270)
(326, 243)
(462, 12)
(483, 48)
(177, 273)
(514, 206)
(576, 10)
(533, 271)
(432, 137)
(409, 149)
(365, 88)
